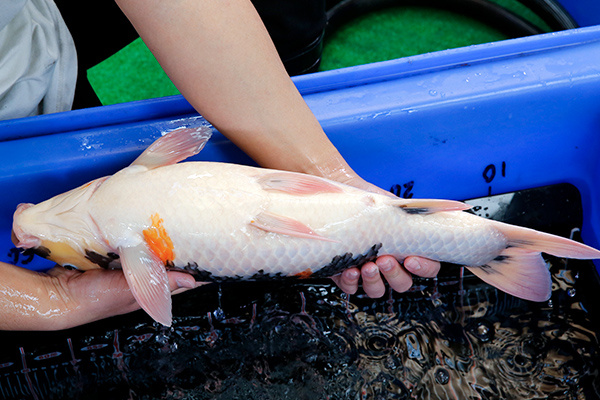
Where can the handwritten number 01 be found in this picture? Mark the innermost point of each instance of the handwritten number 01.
(489, 173)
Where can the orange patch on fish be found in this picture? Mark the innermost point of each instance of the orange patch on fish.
(158, 240)
(304, 274)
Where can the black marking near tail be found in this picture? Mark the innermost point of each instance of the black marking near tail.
(489, 269)
(338, 264)
(416, 211)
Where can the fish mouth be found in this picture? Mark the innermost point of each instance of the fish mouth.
(18, 236)
(24, 241)
(13, 237)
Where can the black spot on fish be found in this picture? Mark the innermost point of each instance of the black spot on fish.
(422, 210)
(40, 251)
(102, 261)
(488, 269)
(338, 264)
(342, 262)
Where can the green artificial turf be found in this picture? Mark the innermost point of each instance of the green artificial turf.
(134, 74)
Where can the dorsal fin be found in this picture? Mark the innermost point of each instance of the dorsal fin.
(175, 146)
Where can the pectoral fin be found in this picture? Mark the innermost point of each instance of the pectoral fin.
(175, 146)
(287, 226)
(147, 278)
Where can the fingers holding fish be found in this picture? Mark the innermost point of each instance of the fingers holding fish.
(397, 277)
(348, 280)
(180, 282)
(372, 283)
(97, 294)
(386, 268)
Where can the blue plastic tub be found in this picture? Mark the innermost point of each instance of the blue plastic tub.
(456, 124)
(586, 13)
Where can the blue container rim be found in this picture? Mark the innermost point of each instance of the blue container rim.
(318, 82)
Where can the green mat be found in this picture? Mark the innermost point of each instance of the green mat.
(134, 74)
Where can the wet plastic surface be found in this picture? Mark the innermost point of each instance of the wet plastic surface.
(456, 124)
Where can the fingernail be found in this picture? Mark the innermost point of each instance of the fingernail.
(385, 265)
(369, 271)
(413, 264)
(352, 274)
(186, 282)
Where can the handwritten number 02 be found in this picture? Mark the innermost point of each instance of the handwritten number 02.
(403, 190)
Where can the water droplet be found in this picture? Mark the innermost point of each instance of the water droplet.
(483, 330)
(571, 292)
(219, 314)
(442, 376)
(433, 92)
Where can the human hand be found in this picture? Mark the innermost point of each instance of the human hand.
(397, 275)
(62, 298)
(97, 294)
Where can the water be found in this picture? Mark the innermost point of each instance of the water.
(448, 338)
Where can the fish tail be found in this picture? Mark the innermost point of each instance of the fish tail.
(540, 242)
(520, 269)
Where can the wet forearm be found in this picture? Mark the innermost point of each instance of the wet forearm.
(28, 301)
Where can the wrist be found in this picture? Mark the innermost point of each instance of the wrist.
(31, 301)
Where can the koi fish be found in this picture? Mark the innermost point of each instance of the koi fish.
(225, 221)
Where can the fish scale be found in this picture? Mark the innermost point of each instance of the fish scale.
(225, 221)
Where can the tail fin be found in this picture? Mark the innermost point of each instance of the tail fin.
(520, 269)
(536, 241)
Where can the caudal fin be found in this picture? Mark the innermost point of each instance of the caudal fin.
(520, 269)
(536, 241)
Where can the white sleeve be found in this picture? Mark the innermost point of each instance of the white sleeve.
(38, 63)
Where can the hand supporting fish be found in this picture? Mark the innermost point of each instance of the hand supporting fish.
(224, 221)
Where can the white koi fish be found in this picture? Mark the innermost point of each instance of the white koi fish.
(225, 221)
